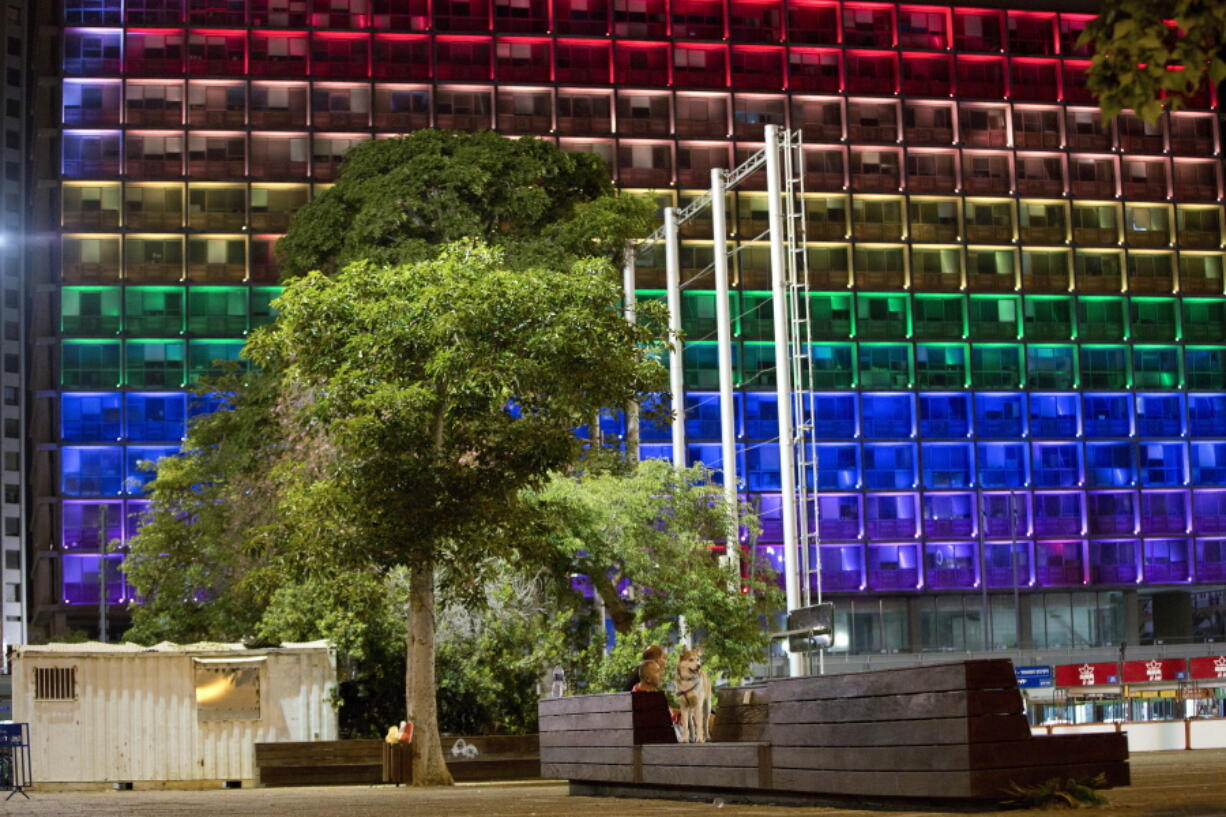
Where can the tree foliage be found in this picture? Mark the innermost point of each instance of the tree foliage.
(418, 401)
(1142, 63)
(202, 561)
(400, 200)
(644, 538)
(408, 409)
(491, 656)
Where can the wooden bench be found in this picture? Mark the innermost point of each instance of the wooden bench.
(319, 763)
(600, 737)
(493, 757)
(367, 762)
(952, 731)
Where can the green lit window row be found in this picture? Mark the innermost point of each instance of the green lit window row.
(161, 363)
(969, 365)
(155, 311)
(897, 316)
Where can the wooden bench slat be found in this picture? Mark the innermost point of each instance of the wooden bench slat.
(609, 702)
(578, 771)
(739, 732)
(956, 757)
(990, 783)
(616, 755)
(350, 775)
(704, 754)
(516, 769)
(916, 706)
(908, 733)
(874, 783)
(590, 737)
(604, 720)
(298, 753)
(726, 777)
(983, 674)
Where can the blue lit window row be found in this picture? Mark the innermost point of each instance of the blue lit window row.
(897, 466)
(108, 470)
(954, 415)
(95, 417)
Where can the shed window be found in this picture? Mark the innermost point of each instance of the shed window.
(55, 683)
(227, 690)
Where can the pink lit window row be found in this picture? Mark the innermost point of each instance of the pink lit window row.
(348, 55)
(343, 105)
(821, 22)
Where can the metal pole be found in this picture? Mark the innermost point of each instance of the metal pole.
(672, 265)
(103, 519)
(630, 298)
(1017, 601)
(723, 324)
(783, 383)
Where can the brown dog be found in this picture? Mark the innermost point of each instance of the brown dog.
(693, 689)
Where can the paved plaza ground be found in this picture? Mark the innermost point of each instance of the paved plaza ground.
(1165, 784)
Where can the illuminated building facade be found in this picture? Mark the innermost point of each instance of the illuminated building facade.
(1020, 349)
(13, 23)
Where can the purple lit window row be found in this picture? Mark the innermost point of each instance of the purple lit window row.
(82, 580)
(956, 565)
(1003, 514)
(82, 522)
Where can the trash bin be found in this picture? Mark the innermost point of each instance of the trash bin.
(397, 763)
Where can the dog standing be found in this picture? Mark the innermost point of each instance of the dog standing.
(693, 689)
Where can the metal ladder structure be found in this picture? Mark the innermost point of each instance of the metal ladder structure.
(800, 342)
(783, 160)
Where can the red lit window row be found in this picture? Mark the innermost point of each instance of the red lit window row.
(816, 22)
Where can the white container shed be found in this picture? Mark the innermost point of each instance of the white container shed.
(169, 714)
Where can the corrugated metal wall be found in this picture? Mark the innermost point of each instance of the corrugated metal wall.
(134, 718)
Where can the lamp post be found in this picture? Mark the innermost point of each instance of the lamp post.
(103, 542)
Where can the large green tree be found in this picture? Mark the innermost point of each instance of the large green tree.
(418, 401)
(1142, 63)
(400, 200)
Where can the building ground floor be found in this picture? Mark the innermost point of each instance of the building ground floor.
(1028, 620)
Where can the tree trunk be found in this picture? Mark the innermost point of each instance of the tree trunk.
(429, 768)
(623, 619)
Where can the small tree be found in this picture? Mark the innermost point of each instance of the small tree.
(421, 400)
(648, 540)
(1141, 62)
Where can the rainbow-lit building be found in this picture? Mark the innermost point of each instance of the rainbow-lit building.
(1020, 315)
